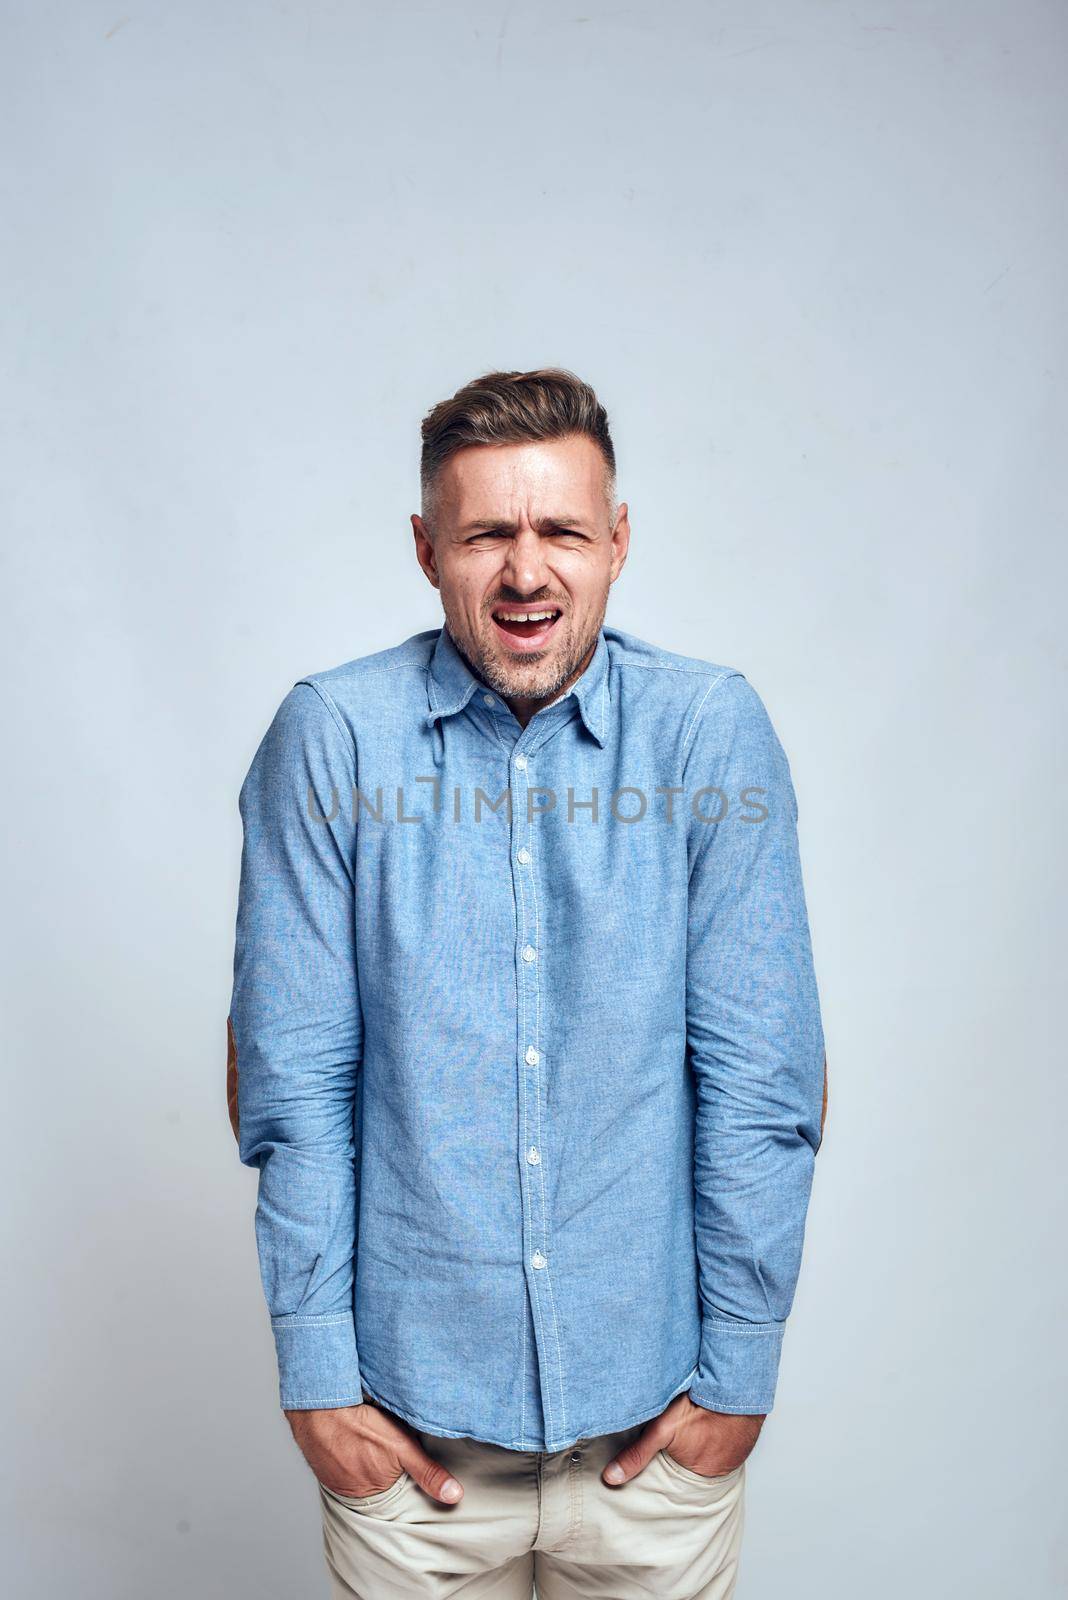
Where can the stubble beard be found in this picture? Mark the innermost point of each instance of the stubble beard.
(541, 678)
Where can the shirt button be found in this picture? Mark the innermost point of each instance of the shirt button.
(529, 952)
(533, 1156)
(537, 1259)
(521, 763)
(488, 700)
(532, 1056)
(523, 855)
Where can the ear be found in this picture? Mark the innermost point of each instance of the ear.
(620, 541)
(424, 549)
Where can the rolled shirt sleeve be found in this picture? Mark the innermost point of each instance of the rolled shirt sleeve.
(296, 1039)
(754, 1043)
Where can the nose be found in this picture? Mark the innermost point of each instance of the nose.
(525, 569)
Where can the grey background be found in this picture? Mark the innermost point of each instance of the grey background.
(812, 256)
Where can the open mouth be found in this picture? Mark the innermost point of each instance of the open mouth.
(526, 627)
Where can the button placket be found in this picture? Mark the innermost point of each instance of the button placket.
(535, 1206)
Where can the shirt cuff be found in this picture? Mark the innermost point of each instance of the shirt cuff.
(738, 1366)
(317, 1365)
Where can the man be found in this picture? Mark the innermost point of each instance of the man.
(526, 1046)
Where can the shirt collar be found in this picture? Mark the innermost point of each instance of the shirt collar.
(451, 683)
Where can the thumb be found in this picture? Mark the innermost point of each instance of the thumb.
(430, 1474)
(633, 1457)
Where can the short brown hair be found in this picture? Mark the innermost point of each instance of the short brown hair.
(511, 408)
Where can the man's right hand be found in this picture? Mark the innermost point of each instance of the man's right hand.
(361, 1450)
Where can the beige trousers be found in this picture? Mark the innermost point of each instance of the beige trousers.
(539, 1523)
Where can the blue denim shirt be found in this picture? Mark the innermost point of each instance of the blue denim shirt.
(527, 1042)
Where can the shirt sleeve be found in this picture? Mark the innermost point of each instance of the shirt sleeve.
(754, 1043)
(296, 1041)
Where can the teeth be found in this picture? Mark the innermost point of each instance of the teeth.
(525, 616)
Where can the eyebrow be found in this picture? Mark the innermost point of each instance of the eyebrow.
(488, 523)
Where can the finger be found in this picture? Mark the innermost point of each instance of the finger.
(633, 1457)
(430, 1474)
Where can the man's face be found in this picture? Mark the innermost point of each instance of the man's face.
(523, 530)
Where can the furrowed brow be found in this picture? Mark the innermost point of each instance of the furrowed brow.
(486, 524)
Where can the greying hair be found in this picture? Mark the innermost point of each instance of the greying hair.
(513, 408)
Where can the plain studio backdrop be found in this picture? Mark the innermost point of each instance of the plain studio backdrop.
(812, 257)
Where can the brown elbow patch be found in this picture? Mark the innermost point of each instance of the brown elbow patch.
(823, 1114)
(231, 1078)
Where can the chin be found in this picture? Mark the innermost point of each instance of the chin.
(522, 684)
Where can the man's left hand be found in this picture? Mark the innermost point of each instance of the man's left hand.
(709, 1442)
